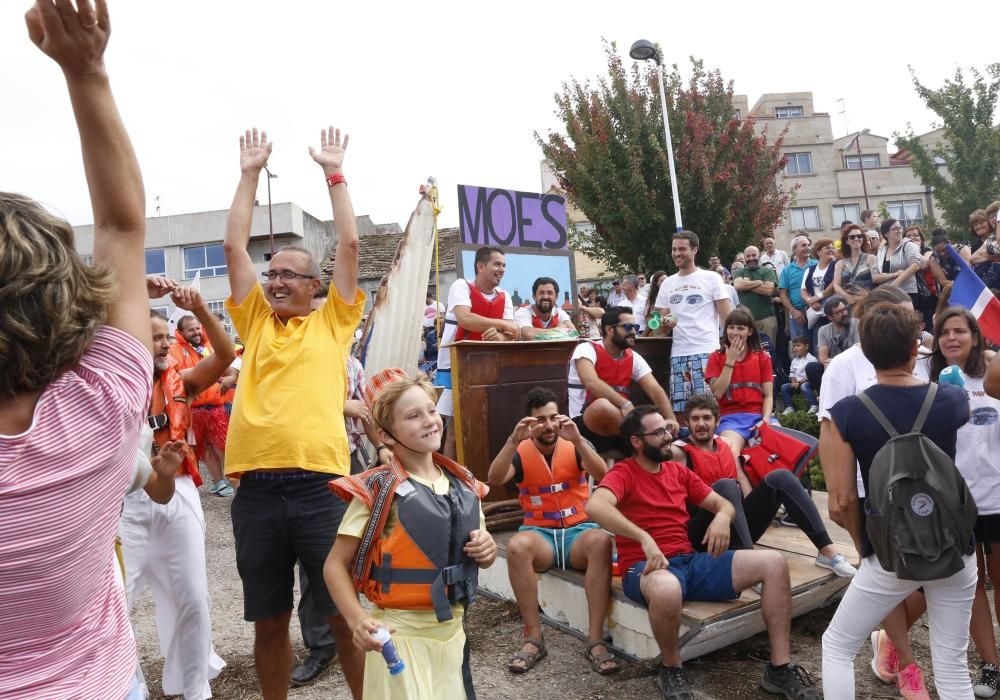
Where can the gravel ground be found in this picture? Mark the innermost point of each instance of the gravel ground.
(494, 628)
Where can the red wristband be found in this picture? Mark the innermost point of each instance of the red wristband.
(336, 179)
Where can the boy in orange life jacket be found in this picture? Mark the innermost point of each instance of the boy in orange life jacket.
(549, 461)
(164, 545)
(643, 500)
(412, 540)
(544, 313)
(600, 381)
(477, 310)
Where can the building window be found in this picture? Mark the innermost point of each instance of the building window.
(907, 212)
(798, 164)
(156, 262)
(209, 260)
(787, 112)
(162, 310)
(805, 218)
(846, 212)
(219, 307)
(869, 160)
(739, 114)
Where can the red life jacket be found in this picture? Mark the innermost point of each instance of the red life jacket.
(481, 306)
(187, 357)
(170, 399)
(774, 447)
(420, 564)
(616, 373)
(539, 323)
(552, 497)
(710, 466)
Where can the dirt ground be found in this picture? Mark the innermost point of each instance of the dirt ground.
(494, 628)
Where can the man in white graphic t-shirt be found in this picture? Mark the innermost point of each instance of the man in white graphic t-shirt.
(693, 302)
(477, 310)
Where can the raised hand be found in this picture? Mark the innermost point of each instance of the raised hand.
(157, 286)
(735, 351)
(73, 38)
(168, 460)
(187, 298)
(568, 430)
(523, 429)
(331, 153)
(255, 149)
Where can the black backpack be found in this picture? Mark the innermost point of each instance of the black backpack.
(919, 511)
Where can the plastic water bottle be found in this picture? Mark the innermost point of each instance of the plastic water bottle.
(389, 653)
(654, 321)
(952, 375)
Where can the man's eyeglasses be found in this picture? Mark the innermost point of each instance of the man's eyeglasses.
(285, 275)
(629, 327)
(658, 434)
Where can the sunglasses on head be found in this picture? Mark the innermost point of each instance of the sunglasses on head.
(629, 327)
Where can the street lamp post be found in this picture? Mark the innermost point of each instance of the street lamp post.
(270, 217)
(861, 162)
(643, 50)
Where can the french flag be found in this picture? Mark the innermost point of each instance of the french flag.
(969, 291)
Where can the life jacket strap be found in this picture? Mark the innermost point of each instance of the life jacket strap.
(554, 488)
(553, 514)
(438, 579)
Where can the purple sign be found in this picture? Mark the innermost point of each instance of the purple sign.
(508, 218)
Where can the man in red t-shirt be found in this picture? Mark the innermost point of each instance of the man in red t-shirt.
(643, 501)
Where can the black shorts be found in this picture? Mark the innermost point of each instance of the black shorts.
(277, 521)
(988, 531)
(601, 443)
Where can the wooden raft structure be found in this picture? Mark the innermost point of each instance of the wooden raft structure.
(705, 627)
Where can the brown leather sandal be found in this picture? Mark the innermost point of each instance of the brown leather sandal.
(529, 658)
(598, 661)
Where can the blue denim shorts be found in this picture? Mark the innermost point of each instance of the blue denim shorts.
(702, 577)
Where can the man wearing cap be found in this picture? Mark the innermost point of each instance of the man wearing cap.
(617, 296)
(288, 439)
(790, 287)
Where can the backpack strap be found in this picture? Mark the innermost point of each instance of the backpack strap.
(879, 416)
(926, 408)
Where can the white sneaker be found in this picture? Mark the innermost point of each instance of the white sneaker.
(814, 409)
(838, 564)
(787, 411)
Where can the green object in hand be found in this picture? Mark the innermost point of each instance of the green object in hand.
(654, 322)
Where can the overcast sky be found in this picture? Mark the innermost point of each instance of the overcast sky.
(453, 90)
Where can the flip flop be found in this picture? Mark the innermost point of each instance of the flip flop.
(598, 660)
(529, 658)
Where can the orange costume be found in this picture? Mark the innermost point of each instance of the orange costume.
(209, 420)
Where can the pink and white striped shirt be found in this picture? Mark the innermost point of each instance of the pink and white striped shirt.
(64, 630)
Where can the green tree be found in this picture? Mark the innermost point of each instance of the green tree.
(612, 164)
(969, 151)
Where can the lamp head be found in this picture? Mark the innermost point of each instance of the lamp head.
(865, 132)
(644, 50)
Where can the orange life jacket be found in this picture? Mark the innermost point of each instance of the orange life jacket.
(616, 373)
(187, 357)
(170, 400)
(420, 564)
(481, 306)
(553, 497)
(710, 466)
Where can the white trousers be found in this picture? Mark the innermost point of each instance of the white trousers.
(872, 594)
(164, 547)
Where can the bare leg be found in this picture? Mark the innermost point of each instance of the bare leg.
(734, 440)
(662, 592)
(352, 659)
(771, 569)
(214, 459)
(592, 553)
(272, 653)
(603, 417)
(527, 553)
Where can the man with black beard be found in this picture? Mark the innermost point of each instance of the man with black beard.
(549, 461)
(644, 501)
(544, 314)
(757, 286)
(600, 380)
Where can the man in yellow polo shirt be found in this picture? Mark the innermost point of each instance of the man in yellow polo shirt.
(286, 437)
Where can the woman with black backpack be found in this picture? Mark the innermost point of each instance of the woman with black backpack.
(901, 434)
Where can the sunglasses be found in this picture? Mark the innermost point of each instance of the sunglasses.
(629, 327)
(858, 237)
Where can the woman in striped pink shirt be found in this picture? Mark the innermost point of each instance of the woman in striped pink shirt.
(75, 369)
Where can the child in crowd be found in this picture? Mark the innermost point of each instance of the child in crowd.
(797, 376)
(417, 559)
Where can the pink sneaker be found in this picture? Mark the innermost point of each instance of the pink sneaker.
(911, 684)
(885, 662)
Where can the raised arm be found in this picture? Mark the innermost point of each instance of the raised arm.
(208, 370)
(502, 467)
(590, 461)
(254, 152)
(331, 158)
(76, 40)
